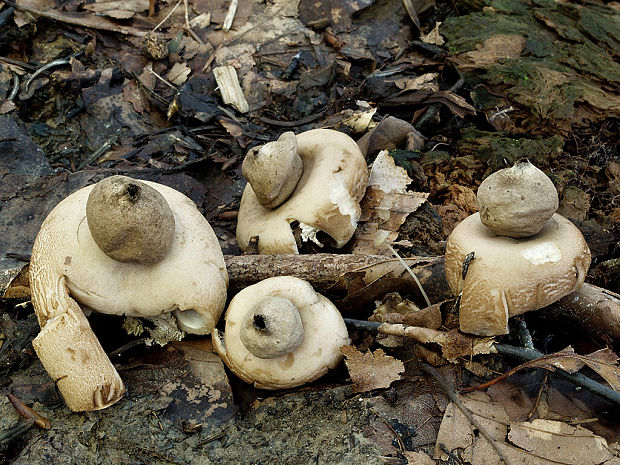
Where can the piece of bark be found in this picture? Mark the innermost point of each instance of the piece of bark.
(228, 83)
(350, 281)
(596, 309)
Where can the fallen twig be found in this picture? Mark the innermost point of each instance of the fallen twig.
(51, 64)
(576, 378)
(78, 19)
(97, 154)
(14, 432)
(28, 413)
(411, 273)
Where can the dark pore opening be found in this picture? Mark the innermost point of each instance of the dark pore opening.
(132, 191)
(259, 322)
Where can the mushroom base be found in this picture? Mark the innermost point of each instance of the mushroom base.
(75, 360)
(511, 276)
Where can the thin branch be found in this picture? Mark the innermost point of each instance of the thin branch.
(576, 378)
(413, 275)
(167, 16)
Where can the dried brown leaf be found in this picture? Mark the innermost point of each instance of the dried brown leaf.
(178, 73)
(418, 458)
(539, 442)
(371, 370)
(605, 363)
(454, 344)
(385, 207)
(136, 6)
(559, 442)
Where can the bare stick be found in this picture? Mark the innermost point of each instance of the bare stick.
(415, 278)
(84, 20)
(167, 16)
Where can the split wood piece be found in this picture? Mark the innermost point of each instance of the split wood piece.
(230, 16)
(228, 83)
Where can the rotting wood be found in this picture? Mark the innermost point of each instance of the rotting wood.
(596, 309)
(350, 280)
(322, 270)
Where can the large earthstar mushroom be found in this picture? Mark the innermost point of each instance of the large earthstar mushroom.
(525, 256)
(122, 247)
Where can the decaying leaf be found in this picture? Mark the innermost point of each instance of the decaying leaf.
(385, 207)
(433, 37)
(121, 9)
(371, 370)
(455, 431)
(417, 458)
(394, 309)
(538, 442)
(356, 120)
(178, 73)
(386, 135)
(454, 344)
(559, 442)
(426, 81)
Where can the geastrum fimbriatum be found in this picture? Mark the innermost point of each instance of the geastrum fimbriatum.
(525, 256)
(280, 333)
(122, 247)
(316, 178)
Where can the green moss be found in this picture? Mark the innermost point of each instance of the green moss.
(499, 151)
(565, 69)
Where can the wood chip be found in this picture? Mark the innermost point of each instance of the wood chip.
(228, 83)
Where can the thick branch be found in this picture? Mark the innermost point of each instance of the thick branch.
(596, 309)
(349, 280)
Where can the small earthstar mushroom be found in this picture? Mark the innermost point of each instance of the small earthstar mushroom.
(316, 178)
(121, 247)
(520, 264)
(280, 333)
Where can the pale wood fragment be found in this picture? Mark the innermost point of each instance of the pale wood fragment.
(228, 83)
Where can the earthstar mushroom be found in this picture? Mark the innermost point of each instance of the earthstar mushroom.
(280, 333)
(325, 197)
(517, 271)
(186, 274)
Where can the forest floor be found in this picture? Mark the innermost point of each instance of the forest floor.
(454, 90)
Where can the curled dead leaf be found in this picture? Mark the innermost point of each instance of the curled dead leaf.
(371, 370)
